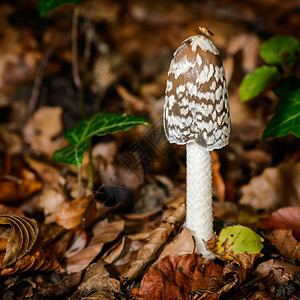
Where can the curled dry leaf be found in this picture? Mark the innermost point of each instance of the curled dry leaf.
(20, 239)
(97, 279)
(42, 260)
(182, 277)
(21, 234)
(278, 270)
(78, 212)
(278, 186)
(104, 232)
(285, 243)
(122, 255)
(157, 239)
(284, 218)
(238, 270)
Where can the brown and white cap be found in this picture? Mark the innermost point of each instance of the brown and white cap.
(196, 107)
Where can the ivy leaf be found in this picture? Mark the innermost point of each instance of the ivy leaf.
(287, 117)
(72, 155)
(280, 50)
(235, 240)
(254, 83)
(45, 6)
(101, 124)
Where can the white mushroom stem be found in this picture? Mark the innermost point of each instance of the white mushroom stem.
(199, 219)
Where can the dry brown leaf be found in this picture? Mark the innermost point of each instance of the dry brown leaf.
(238, 270)
(18, 190)
(61, 289)
(182, 277)
(5, 159)
(284, 218)
(79, 212)
(11, 229)
(183, 243)
(97, 279)
(104, 232)
(42, 127)
(11, 210)
(24, 235)
(42, 260)
(122, 255)
(48, 174)
(279, 271)
(157, 239)
(285, 243)
(275, 187)
(77, 244)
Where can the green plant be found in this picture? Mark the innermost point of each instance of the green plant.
(80, 136)
(98, 124)
(280, 53)
(46, 6)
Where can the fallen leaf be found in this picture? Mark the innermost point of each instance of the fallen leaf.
(284, 218)
(183, 243)
(285, 243)
(279, 269)
(97, 279)
(157, 239)
(62, 288)
(182, 277)
(104, 232)
(238, 270)
(18, 190)
(234, 240)
(42, 127)
(11, 210)
(24, 235)
(78, 212)
(122, 255)
(77, 244)
(278, 186)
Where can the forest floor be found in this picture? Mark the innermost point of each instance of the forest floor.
(125, 237)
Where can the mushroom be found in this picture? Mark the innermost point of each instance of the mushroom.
(196, 114)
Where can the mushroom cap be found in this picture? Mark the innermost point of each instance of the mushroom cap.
(196, 107)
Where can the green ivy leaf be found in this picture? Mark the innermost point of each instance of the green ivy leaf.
(72, 155)
(280, 50)
(235, 240)
(254, 83)
(287, 118)
(101, 124)
(45, 6)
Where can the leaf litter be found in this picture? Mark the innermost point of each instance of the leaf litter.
(104, 245)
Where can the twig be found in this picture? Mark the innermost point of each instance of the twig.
(38, 80)
(75, 68)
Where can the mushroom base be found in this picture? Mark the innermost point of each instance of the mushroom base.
(199, 219)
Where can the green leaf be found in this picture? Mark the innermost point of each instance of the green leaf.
(72, 155)
(45, 6)
(287, 118)
(254, 83)
(280, 50)
(235, 240)
(101, 124)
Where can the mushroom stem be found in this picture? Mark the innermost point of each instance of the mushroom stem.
(199, 218)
